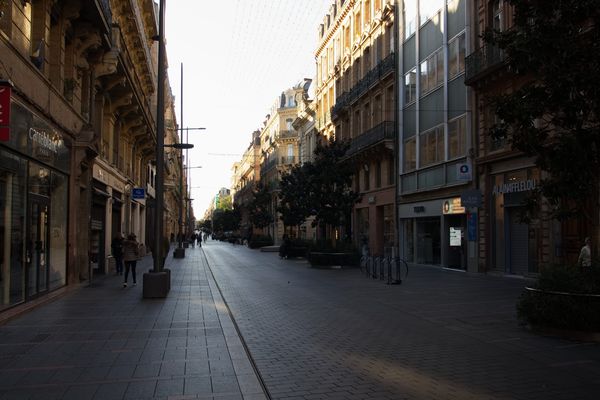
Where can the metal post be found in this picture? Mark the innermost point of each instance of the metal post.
(180, 251)
(160, 141)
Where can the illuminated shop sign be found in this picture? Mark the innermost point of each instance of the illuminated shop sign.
(49, 142)
(515, 187)
(453, 206)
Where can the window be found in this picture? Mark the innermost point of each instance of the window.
(457, 137)
(497, 15)
(432, 72)
(367, 12)
(391, 175)
(367, 184)
(410, 86)
(357, 24)
(431, 146)
(290, 151)
(456, 56)
(377, 5)
(377, 110)
(378, 174)
(429, 8)
(410, 18)
(410, 154)
(288, 124)
(347, 42)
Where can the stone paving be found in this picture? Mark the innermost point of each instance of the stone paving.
(335, 334)
(106, 342)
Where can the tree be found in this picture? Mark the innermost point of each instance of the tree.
(555, 48)
(225, 203)
(296, 195)
(226, 220)
(330, 186)
(259, 206)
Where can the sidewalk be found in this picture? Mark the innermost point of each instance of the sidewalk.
(107, 342)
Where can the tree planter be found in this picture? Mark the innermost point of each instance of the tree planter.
(564, 314)
(321, 259)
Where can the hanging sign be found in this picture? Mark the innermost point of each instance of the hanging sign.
(5, 93)
(138, 193)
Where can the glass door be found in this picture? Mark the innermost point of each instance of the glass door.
(37, 256)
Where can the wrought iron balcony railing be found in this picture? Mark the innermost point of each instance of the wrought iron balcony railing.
(482, 61)
(384, 131)
(375, 75)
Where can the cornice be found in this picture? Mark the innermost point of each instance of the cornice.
(338, 21)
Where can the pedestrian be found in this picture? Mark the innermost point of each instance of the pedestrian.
(131, 253)
(117, 252)
(585, 255)
(193, 239)
(284, 247)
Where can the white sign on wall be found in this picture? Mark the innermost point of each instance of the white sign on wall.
(455, 236)
(464, 172)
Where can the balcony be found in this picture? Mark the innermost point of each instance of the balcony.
(482, 62)
(287, 160)
(268, 165)
(374, 76)
(378, 134)
(287, 134)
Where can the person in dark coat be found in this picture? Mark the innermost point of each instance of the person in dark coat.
(117, 252)
(131, 253)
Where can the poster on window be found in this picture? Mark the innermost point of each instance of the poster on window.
(455, 236)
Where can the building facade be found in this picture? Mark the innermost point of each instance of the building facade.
(246, 175)
(76, 156)
(355, 99)
(279, 149)
(436, 143)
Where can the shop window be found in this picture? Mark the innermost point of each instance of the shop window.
(428, 244)
(457, 137)
(12, 229)
(431, 147)
(456, 56)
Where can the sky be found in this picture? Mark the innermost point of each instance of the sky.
(238, 56)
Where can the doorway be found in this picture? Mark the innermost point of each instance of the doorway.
(37, 251)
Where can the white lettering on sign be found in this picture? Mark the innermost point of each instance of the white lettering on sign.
(514, 187)
(43, 139)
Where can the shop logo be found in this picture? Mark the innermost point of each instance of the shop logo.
(44, 140)
(515, 187)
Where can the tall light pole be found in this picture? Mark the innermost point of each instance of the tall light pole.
(179, 252)
(158, 282)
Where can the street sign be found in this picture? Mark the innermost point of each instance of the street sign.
(472, 227)
(464, 172)
(5, 92)
(471, 198)
(138, 193)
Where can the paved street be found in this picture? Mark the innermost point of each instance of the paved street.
(334, 334)
(312, 334)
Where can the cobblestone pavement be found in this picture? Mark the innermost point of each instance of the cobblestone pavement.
(335, 334)
(107, 342)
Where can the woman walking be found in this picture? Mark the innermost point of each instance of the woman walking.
(131, 251)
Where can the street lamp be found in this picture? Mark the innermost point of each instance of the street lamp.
(157, 283)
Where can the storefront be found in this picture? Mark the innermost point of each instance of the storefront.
(34, 180)
(436, 233)
(515, 243)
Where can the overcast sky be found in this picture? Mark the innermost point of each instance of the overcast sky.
(238, 56)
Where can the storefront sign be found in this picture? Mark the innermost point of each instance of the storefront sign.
(138, 193)
(515, 187)
(455, 236)
(463, 172)
(5, 92)
(453, 206)
(45, 142)
(471, 198)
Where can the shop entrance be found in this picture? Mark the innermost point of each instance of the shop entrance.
(37, 252)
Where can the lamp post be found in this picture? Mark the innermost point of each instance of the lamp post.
(158, 282)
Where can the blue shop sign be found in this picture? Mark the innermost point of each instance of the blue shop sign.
(138, 193)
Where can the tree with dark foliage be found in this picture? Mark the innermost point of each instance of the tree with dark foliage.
(555, 47)
(259, 207)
